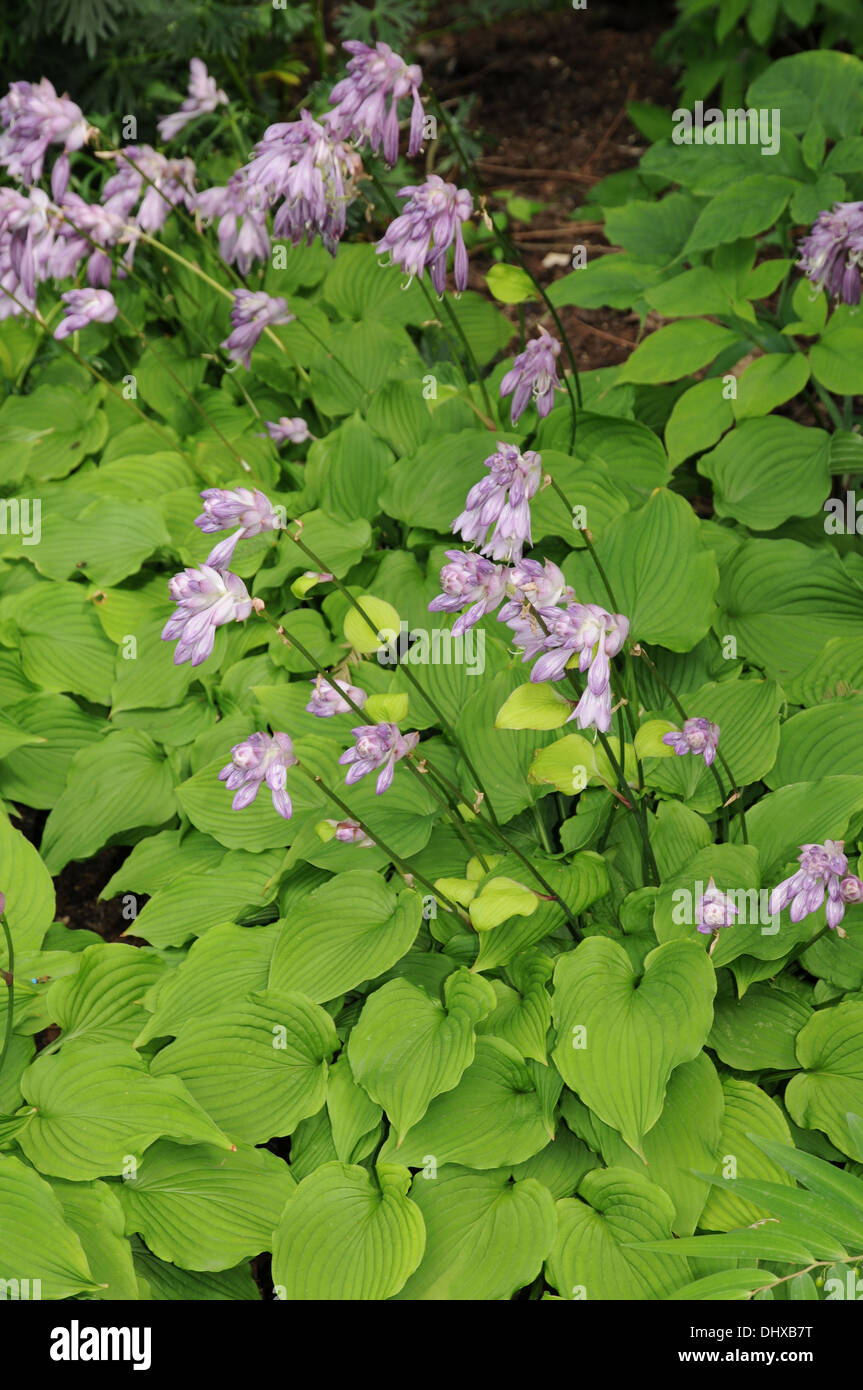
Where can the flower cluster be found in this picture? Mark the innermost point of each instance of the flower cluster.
(251, 511)
(823, 872)
(204, 96)
(360, 110)
(306, 167)
(698, 736)
(533, 374)
(832, 254)
(378, 748)
(206, 598)
(430, 222)
(34, 117)
(714, 910)
(242, 208)
(258, 759)
(251, 312)
(588, 631)
(497, 511)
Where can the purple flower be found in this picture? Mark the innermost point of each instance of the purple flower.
(241, 208)
(542, 585)
(713, 910)
(699, 736)
(204, 96)
(822, 867)
(206, 599)
(533, 373)
(360, 99)
(378, 746)
(260, 758)
(469, 581)
(288, 430)
(28, 240)
(165, 183)
(327, 698)
(252, 511)
(596, 636)
(84, 307)
(81, 225)
(306, 164)
(252, 312)
(832, 253)
(33, 118)
(430, 223)
(501, 501)
(349, 832)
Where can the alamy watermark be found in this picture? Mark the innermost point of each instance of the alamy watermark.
(420, 646)
(752, 905)
(736, 126)
(21, 516)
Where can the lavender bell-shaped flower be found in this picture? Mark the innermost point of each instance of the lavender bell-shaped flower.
(378, 748)
(34, 117)
(165, 184)
(242, 209)
(533, 374)
(204, 96)
(698, 736)
(328, 697)
(251, 313)
(714, 910)
(472, 582)
(539, 584)
(832, 254)
(360, 100)
(253, 512)
(822, 871)
(261, 758)
(307, 165)
(596, 636)
(349, 832)
(84, 307)
(431, 221)
(500, 502)
(206, 599)
(288, 430)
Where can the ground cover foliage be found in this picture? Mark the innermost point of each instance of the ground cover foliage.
(484, 742)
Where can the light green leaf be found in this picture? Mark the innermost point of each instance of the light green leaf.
(36, 1240)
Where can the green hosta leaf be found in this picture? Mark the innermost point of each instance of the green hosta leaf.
(205, 1209)
(486, 1236)
(347, 1234)
(676, 351)
(257, 1067)
(103, 1001)
(100, 543)
(767, 470)
(28, 890)
(501, 756)
(63, 647)
(487, 330)
(770, 381)
(746, 207)
(342, 542)
(361, 288)
(653, 555)
(407, 1048)
(620, 1038)
(592, 499)
(596, 1253)
(149, 679)
(36, 1241)
(653, 231)
(354, 1119)
(499, 899)
(533, 707)
(758, 1030)
(349, 930)
(428, 488)
(166, 1283)
(830, 735)
(577, 884)
(822, 85)
(522, 1015)
(699, 417)
(830, 1048)
(93, 1210)
(494, 1117)
(630, 451)
(97, 1105)
(377, 625)
(228, 963)
(196, 902)
(748, 1111)
(124, 782)
(783, 601)
(835, 358)
(510, 284)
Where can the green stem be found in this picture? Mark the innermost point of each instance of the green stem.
(10, 1003)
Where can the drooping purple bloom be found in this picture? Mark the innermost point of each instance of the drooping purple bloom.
(306, 164)
(714, 910)
(328, 697)
(500, 503)
(822, 869)
(252, 312)
(288, 430)
(206, 599)
(165, 184)
(832, 254)
(596, 636)
(28, 238)
(81, 225)
(360, 100)
(350, 832)
(33, 118)
(378, 748)
(472, 582)
(540, 584)
(261, 758)
(533, 374)
(431, 221)
(204, 96)
(84, 307)
(253, 512)
(241, 207)
(699, 736)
